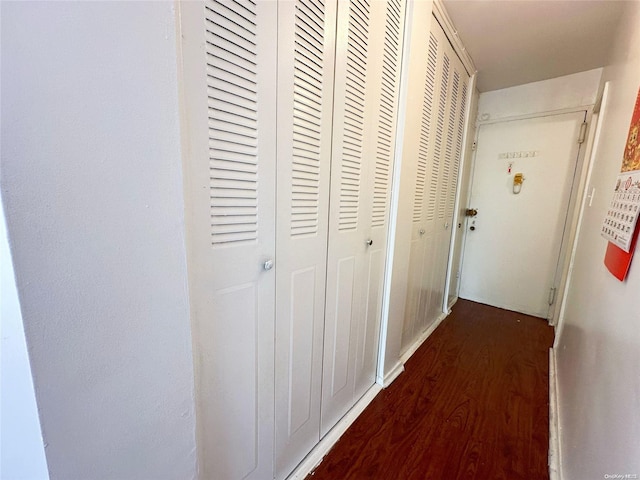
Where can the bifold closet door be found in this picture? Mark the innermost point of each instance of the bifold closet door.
(367, 77)
(306, 47)
(445, 166)
(229, 78)
(440, 147)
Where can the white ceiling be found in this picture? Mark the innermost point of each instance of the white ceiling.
(513, 42)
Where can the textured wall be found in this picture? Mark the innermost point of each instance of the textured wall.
(598, 353)
(92, 187)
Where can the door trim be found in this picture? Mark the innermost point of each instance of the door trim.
(592, 142)
(527, 116)
(442, 16)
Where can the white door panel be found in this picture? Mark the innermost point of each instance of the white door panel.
(365, 111)
(511, 256)
(369, 327)
(347, 223)
(229, 90)
(306, 34)
(416, 267)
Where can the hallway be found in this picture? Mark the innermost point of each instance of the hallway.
(472, 403)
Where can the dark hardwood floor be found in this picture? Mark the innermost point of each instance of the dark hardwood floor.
(473, 403)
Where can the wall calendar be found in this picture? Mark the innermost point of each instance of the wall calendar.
(620, 223)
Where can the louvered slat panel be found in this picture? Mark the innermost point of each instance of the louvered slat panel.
(459, 136)
(354, 104)
(387, 109)
(233, 123)
(307, 116)
(449, 193)
(437, 175)
(426, 135)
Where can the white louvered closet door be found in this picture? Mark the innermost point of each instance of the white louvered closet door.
(451, 107)
(425, 195)
(229, 78)
(440, 147)
(306, 47)
(367, 76)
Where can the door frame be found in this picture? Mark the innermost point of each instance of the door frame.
(567, 247)
(586, 198)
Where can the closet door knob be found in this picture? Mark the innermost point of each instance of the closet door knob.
(422, 231)
(268, 265)
(369, 242)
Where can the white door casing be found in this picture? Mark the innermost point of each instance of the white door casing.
(306, 48)
(228, 87)
(511, 256)
(367, 78)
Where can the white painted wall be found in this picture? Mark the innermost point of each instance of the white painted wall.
(92, 189)
(21, 447)
(577, 90)
(598, 353)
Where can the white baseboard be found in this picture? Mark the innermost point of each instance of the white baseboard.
(318, 453)
(390, 376)
(555, 471)
(420, 340)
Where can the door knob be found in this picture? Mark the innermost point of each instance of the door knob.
(268, 265)
(471, 212)
(421, 231)
(369, 242)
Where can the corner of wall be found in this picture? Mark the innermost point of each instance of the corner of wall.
(22, 451)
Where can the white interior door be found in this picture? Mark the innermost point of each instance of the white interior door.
(511, 252)
(229, 78)
(367, 78)
(306, 46)
(438, 159)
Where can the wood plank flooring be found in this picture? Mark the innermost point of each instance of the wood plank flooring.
(473, 403)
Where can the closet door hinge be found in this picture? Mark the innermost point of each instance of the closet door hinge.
(583, 132)
(552, 295)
